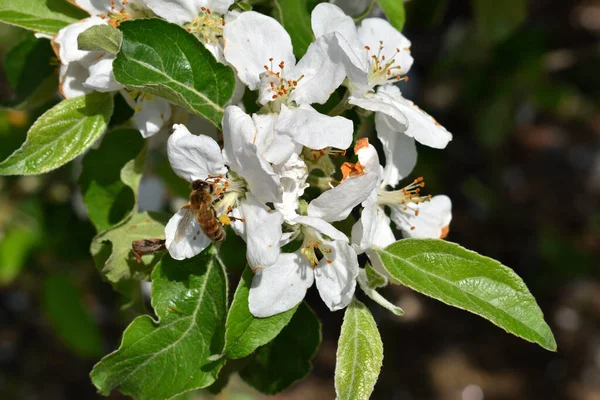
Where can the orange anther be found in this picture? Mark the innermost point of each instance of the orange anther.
(361, 144)
(445, 231)
(349, 169)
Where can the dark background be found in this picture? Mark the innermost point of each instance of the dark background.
(518, 84)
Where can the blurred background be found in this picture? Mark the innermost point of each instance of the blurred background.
(518, 84)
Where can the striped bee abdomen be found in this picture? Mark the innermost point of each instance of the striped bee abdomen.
(210, 225)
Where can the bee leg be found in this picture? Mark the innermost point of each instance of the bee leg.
(137, 255)
(237, 219)
(219, 198)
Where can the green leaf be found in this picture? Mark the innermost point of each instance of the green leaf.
(44, 16)
(131, 174)
(286, 359)
(71, 321)
(30, 73)
(295, 18)
(161, 359)
(61, 134)
(359, 354)
(21, 236)
(467, 280)
(497, 20)
(394, 12)
(15, 248)
(111, 249)
(243, 6)
(100, 38)
(245, 333)
(163, 59)
(107, 198)
(375, 279)
(369, 288)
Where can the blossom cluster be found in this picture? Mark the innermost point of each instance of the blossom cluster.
(268, 159)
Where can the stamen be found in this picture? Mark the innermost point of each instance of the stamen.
(348, 169)
(407, 196)
(384, 71)
(207, 26)
(279, 85)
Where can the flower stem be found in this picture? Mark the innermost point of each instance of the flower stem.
(341, 106)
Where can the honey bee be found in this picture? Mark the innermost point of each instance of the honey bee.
(201, 207)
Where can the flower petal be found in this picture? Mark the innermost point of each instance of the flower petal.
(259, 174)
(176, 11)
(380, 102)
(263, 232)
(385, 41)
(400, 150)
(314, 130)
(93, 7)
(151, 113)
(292, 177)
(194, 157)
(322, 226)
(192, 244)
(421, 125)
(281, 286)
(219, 6)
(273, 147)
(373, 227)
(66, 39)
(251, 40)
(432, 220)
(237, 225)
(71, 79)
(336, 275)
(238, 131)
(319, 72)
(240, 87)
(337, 203)
(101, 77)
(327, 18)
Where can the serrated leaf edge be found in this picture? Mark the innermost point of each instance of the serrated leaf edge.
(157, 321)
(396, 281)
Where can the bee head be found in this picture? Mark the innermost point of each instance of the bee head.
(199, 184)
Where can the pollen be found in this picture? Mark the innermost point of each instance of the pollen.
(225, 220)
(349, 169)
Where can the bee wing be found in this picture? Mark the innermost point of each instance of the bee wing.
(185, 225)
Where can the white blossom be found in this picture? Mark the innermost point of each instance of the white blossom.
(203, 18)
(415, 215)
(242, 182)
(375, 55)
(325, 257)
(261, 51)
(82, 71)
